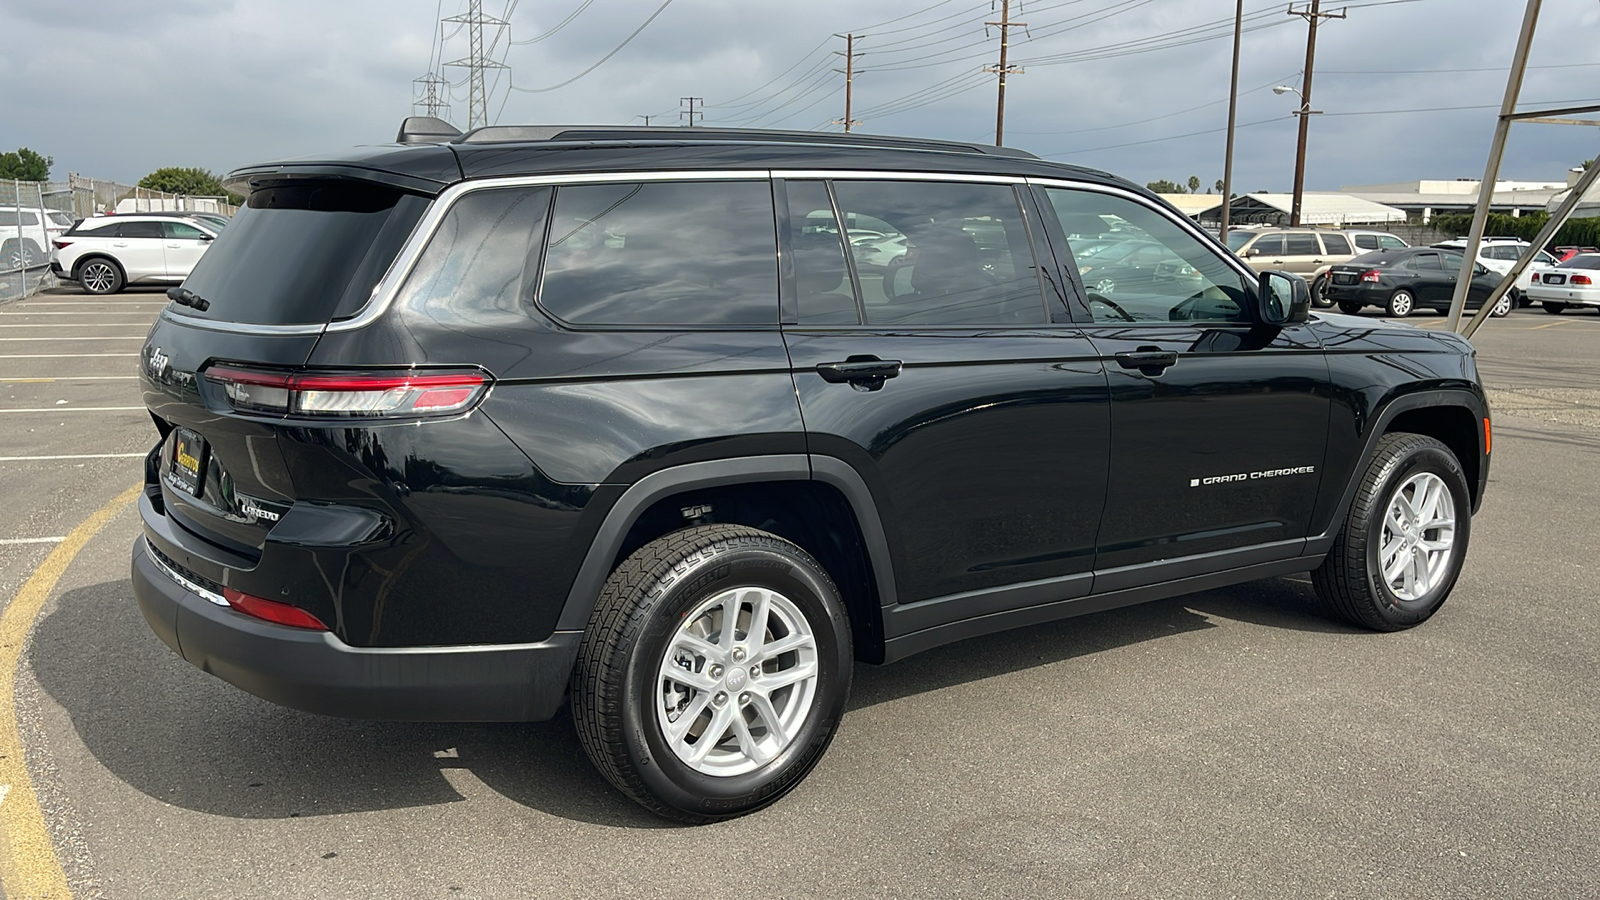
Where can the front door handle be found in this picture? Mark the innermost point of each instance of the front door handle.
(861, 372)
(1147, 360)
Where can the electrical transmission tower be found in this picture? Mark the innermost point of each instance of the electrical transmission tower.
(430, 95)
(691, 101)
(849, 72)
(1005, 25)
(477, 60)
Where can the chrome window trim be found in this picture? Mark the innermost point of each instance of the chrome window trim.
(237, 327)
(1250, 275)
(867, 174)
(388, 287)
(203, 593)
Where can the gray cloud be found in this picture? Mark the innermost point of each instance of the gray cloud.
(116, 89)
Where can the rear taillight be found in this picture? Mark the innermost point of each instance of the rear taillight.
(349, 395)
(62, 245)
(1370, 275)
(1581, 279)
(272, 610)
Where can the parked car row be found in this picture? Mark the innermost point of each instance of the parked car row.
(1573, 283)
(1307, 251)
(1403, 281)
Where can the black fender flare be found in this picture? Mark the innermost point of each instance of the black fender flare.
(639, 496)
(1435, 397)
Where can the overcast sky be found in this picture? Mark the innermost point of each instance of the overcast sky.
(116, 88)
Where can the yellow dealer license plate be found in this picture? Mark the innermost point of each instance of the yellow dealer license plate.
(188, 462)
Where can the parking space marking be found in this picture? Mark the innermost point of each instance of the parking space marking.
(41, 540)
(28, 863)
(42, 380)
(62, 340)
(64, 355)
(74, 456)
(56, 409)
(91, 313)
(1546, 325)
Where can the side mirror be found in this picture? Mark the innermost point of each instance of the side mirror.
(1253, 251)
(1282, 299)
(208, 238)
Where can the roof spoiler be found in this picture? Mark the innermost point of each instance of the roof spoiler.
(426, 130)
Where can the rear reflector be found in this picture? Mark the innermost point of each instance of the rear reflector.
(349, 395)
(272, 610)
(1488, 436)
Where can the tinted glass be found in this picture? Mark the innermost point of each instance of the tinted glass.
(181, 232)
(1367, 241)
(101, 227)
(1336, 243)
(1545, 258)
(1302, 245)
(663, 253)
(1391, 243)
(821, 276)
(10, 218)
(480, 264)
(1268, 245)
(947, 254)
(139, 230)
(303, 253)
(1424, 261)
(1237, 239)
(1163, 273)
(1586, 261)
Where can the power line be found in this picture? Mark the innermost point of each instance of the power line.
(556, 27)
(602, 61)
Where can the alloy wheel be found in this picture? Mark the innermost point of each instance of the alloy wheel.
(1418, 536)
(737, 681)
(98, 277)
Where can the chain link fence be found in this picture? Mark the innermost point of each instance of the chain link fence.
(34, 213)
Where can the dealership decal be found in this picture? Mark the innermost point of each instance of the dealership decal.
(1250, 476)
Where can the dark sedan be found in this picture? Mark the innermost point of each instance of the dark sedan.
(1402, 281)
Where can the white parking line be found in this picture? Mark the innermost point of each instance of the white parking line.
(42, 379)
(92, 303)
(68, 324)
(43, 540)
(55, 409)
(56, 313)
(73, 456)
(60, 340)
(65, 355)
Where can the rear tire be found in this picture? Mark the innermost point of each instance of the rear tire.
(1402, 543)
(659, 673)
(100, 276)
(1319, 293)
(1350, 308)
(1555, 309)
(1401, 304)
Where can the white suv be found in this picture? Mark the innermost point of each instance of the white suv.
(39, 227)
(107, 253)
(1498, 254)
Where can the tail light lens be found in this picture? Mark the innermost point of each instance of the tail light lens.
(1581, 279)
(62, 245)
(376, 395)
(1371, 275)
(272, 610)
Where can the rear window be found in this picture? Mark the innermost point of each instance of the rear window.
(1367, 241)
(1587, 261)
(1336, 244)
(303, 253)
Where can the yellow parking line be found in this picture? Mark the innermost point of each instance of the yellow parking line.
(1547, 325)
(28, 863)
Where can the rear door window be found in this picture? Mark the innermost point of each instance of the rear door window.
(1336, 244)
(692, 253)
(1302, 245)
(1367, 241)
(303, 253)
(139, 230)
(1424, 261)
(954, 254)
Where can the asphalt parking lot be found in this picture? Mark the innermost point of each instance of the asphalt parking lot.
(1234, 743)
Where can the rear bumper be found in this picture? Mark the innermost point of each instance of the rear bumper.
(316, 672)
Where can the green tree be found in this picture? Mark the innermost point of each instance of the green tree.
(1165, 187)
(25, 165)
(193, 182)
(1219, 185)
(1194, 184)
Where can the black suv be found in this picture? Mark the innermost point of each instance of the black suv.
(680, 424)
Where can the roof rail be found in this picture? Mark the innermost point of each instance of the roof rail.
(494, 134)
(426, 130)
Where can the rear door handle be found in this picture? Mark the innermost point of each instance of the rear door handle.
(1147, 360)
(866, 372)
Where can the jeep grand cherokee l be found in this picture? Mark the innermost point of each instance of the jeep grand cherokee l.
(465, 426)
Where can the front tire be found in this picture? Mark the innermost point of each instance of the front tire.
(1503, 307)
(1400, 304)
(1400, 549)
(713, 673)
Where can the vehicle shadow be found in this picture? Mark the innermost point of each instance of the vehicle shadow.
(187, 739)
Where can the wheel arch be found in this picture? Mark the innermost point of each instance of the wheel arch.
(819, 503)
(92, 255)
(1452, 416)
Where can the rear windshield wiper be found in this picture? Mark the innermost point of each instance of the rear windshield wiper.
(189, 298)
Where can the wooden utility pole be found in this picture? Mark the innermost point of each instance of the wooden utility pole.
(849, 71)
(1312, 15)
(691, 101)
(1005, 25)
(1233, 109)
